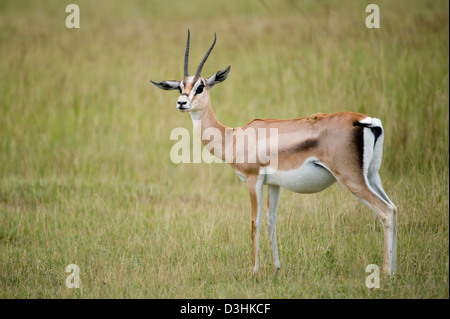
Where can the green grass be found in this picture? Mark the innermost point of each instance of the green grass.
(85, 172)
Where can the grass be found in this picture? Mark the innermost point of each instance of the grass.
(85, 172)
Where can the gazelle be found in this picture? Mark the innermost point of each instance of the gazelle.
(313, 152)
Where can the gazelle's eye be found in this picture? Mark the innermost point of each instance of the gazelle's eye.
(179, 89)
(199, 89)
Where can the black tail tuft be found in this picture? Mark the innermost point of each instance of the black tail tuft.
(376, 130)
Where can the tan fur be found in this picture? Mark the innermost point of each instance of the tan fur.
(333, 131)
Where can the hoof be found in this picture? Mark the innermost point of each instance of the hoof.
(275, 271)
(252, 272)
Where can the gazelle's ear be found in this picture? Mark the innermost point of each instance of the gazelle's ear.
(218, 77)
(167, 85)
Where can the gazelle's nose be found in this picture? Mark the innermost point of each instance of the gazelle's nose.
(181, 103)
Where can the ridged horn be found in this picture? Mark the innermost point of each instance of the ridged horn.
(200, 67)
(186, 55)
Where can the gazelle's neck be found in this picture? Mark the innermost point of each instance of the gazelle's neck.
(214, 137)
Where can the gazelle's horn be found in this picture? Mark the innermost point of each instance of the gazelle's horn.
(200, 67)
(186, 56)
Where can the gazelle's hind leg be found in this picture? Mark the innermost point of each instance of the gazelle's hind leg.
(359, 174)
(386, 212)
(372, 164)
(374, 182)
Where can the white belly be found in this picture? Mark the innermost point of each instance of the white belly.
(308, 178)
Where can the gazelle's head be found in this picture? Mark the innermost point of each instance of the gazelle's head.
(194, 94)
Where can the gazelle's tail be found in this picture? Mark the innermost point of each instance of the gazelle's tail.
(373, 137)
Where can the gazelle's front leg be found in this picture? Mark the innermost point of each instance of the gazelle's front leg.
(272, 204)
(255, 187)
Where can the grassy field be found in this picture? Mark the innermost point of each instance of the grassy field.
(85, 172)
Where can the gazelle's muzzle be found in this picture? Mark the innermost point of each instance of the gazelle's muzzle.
(183, 103)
